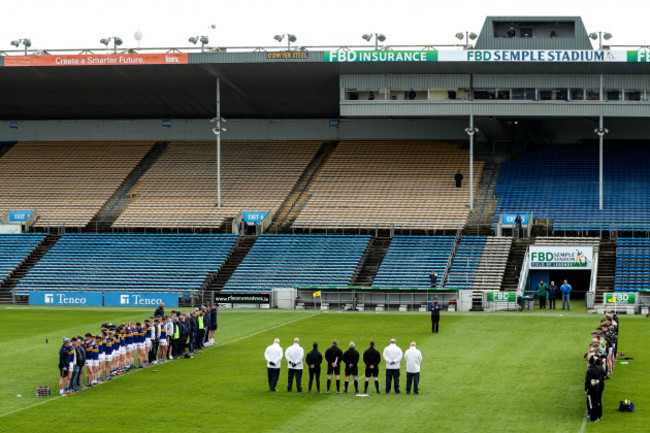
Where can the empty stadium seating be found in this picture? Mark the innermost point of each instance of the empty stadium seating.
(135, 262)
(285, 261)
(14, 249)
(180, 189)
(466, 262)
(410, 259)
(632, 265)
(560, 183)
(66, 183)
(489, 274)
(401, 183)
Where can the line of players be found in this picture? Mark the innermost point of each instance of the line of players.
(335, 357)
(601, 359)
(116, 350)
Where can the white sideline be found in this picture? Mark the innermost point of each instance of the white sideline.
(142, 369)
(584, 424)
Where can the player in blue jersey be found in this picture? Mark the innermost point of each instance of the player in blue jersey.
(162, 341)
(71, 364)
(63, 366)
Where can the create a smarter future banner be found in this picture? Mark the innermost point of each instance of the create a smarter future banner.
(97, 60)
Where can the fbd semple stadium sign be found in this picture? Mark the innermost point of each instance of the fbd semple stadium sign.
(539, 56)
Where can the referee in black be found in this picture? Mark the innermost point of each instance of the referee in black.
(334, 356)
(372, 358)
(314, 359)
(351, 361)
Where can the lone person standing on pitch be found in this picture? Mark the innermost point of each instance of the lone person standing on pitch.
(294, 355)
(273, 356)
(314, 360)
(372, 358)
(392, 356)
(413, 358)
(333, 357)
(542, 290)
(435, 315)
(566, 294)
(351, 360)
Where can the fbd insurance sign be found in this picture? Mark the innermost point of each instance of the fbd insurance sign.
(564, 257)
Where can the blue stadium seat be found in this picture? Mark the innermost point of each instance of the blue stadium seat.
(410, 259)
(14, 249)
(129, 262)
(285, 261)
(466, 261)
(560, 183)
(632, 265)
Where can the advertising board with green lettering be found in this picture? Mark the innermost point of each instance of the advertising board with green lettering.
(620, 298)
(501, 296)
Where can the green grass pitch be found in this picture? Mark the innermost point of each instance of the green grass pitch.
(484, 372)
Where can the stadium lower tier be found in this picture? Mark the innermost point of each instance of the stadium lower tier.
(14, 249)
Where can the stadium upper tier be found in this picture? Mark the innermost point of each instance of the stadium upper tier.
(560, 184)
(180, 189)
(136, 262)
(14, 249)
(65, 183)
(285, 261)
(410, 259)
(632, 265)
(400, 183)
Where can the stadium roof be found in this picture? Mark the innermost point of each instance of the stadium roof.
(252, 85)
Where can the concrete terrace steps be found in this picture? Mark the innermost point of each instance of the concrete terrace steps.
(371, 261)
(242, 246)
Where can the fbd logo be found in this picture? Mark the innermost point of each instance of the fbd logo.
(49, 298)
(124, 299)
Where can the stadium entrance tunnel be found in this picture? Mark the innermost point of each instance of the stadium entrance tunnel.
(579, 280)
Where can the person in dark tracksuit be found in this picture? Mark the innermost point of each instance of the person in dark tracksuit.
(435, 315)
(314, 360)
(593, 384)
(459, 179)
(553, 290)
(372, 358)
(334, 356)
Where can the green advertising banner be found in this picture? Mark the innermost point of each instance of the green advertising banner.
(381, 56)
(620, 298)
(502, 296)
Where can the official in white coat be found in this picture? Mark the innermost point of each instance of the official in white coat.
(393, 357)
(413, 358)
(273, 355)
(294, 356)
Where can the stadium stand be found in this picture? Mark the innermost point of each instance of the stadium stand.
(560, 184)
(410, 260)
(632, 265)
(492, 266)
(14, 249)
(285, 261)
(404, 183)
(66, 183)
(466, 261)
(136, 262)
(180, 189)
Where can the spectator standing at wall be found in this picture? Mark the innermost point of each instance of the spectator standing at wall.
(314, 360)
(512, 33)
(518, 229)
(566, 295)
(542, 290)
(459, 179)
(433, 277)
(551, 294)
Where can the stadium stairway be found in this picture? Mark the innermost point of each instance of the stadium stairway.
(114, 207)
(606, 268)
(371, 261)
(215, 282)
(485, 203)
(5, 289)
(5, 146)
(515, 259)
(299, 195)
